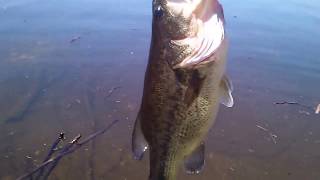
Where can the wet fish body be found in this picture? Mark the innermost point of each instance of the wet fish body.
(184, 84)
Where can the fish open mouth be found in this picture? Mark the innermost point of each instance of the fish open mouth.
(211, 33)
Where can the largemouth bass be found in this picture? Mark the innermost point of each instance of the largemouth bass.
(184, 84)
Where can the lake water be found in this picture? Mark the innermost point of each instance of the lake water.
(59, 60)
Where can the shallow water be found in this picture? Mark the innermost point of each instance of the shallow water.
(59, 61)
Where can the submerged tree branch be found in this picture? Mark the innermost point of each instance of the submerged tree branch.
(110, 92)
(294, 103)
(51, 152)
(316, 109)
(69, 148)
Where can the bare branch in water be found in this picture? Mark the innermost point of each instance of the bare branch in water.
(72, 146)
(287, 102)
(75, 39)
(272, 136)
(316, 109)
(110, 92)
(64, 149)
(292, 103)
(260, 127)
(76, 139)
(51, 152)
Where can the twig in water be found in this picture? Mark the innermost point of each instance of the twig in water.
(77, 144)
(51, 151)
(292, 103)
(317, 109)
(272, 136)
(110, 92)
(64, 149)
(54, 146)
(76, 139)
(260, 127)
(286, 102)
(75, 39)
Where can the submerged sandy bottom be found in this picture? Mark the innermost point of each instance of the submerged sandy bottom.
(49, 84)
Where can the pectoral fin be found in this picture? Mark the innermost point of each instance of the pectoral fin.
(195, 162)
(139, 144)
(226, 89)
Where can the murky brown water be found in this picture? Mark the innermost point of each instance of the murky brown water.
(49, 84)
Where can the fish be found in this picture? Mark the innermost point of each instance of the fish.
(184, 85)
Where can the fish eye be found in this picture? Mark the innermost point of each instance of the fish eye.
(158, 12)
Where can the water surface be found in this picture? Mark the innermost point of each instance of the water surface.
(60, 59)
